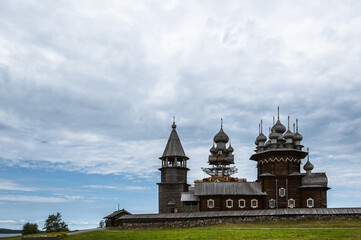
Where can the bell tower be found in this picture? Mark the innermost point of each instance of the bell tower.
(173, 175)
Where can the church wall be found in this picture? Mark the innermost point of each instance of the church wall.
(269, 187)
(171, 191)
(207, 221)
(174, 175)
(220, 203)
(319, 196)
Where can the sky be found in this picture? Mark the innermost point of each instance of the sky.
(88, 90)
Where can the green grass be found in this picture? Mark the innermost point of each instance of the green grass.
(274, 230)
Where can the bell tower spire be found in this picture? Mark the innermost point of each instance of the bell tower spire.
(173, 174)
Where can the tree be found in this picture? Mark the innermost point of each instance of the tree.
(101, 224)
(30, 228)
(54, 224)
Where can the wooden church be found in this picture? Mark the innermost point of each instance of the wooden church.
(280, 182)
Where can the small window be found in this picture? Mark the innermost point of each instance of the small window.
(291, 203)
(282, 192)
(229, 203)
(272, 203)
(310, 202)
(242, 203)
(210, 203)
(171, 202)
(254, 203)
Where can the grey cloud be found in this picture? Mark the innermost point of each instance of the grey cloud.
(85, 87)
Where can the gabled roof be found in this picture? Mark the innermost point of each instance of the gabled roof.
(174, 146)
(118, 213)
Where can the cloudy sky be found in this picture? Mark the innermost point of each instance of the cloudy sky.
(88, 90)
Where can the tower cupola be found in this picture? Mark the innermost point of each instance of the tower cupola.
(261, 139)
(308, 167)
(288, 135)
(221, 157)
(297, 137)
(221, 136)
(278, 127)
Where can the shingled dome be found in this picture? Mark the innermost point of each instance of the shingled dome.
(308, 166)
(261, 138)
(279, 128)
(221, 137)
(288, 134)
(297, 137)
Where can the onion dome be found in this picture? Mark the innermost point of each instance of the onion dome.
(273, 135)
(297, 136)
(213, 149)
(279, 128)
(230, 149)
(221, 136)
(308, 166)
(288, 134)
(261, 138)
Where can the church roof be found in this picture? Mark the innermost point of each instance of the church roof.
(314, 179)
(189, 197)
(247, 213)
(174, 146)
(118, 213)
(228, 188)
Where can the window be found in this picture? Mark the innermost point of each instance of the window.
(291, 203)
(229, 203)
(242, 203)
(171, 202)
(254, 203)
(272, 203)
(210, 203)
(310, 202)
(282, 192)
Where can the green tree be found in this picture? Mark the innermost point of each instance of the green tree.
(54, 224)
(101, 224)
(30, 228)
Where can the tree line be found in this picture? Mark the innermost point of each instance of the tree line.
(53, 223)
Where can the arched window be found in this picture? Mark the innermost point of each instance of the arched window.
(282, 192)
(291, 203)
(242, 203)
(171, 202)
(229, 203)
(254, 203)
(310, 202)
(210, 203)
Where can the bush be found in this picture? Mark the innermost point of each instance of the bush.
(54, 224)
(30, 228)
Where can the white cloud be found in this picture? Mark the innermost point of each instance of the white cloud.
(92, 87)
(6, 184)
(34, 199)
(118, 188)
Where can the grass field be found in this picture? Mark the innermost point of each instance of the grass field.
(276, 230)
